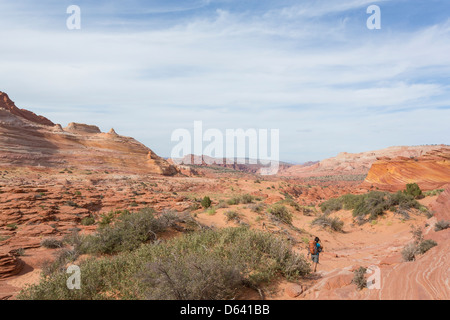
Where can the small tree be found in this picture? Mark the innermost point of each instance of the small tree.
(413, 189)
(206, 202)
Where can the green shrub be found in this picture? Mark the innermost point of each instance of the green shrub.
(419, 246)
(426, 245)
(205, 264)
(129, 231)
(333, 223)
(247, 198)
(331, 205)
(409, 252)
(413, 189)
(234, 201)
(359, 278)
(51, 243)
(12, 226)
(257, 207)
(232, 215)
(373, 204)
(206, 202)
(435, 192)
(222, 204)
(106, 219)
(441, 225)
(63, 257)
(88, 221)
(281, 213)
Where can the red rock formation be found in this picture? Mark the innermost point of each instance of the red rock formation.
(354, 163)
(9, 265)
(7, 104)
(29, 140)
(429, 171)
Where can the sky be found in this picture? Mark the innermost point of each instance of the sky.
(311, 69)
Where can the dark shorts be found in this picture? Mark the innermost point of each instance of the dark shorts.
(315, 258)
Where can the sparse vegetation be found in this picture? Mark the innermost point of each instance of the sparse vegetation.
(431, 193)
(244, 199)
(359, 278)
(280, 212)
(201, 265)
(88, 221)
(441, 225)
(12, 226)
(334, 224)
(127, 233)
(52, 243)
(374, 204)
(419, 246)
(232, 215)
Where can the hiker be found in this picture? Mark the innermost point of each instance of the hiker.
(314, 249)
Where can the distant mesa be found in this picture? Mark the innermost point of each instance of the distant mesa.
(82, 128)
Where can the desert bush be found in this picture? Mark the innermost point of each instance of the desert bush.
(409, 252)
(247, 198)
(63, 257)
(88, 221)
(234, 201)
(129, 231)
(333, 223)
(359, 278)
(222, 204)
(435, 192)
(192, 277)
(106, 219)
(257, 207)
(206, 202)
(331, 205)
(413, 189)
(419, 246)
(232, 215)
(441, 225)
(373, 204)
(51, 243)
(219, 262)
(281, 213)
(291, 202)
(426, 245)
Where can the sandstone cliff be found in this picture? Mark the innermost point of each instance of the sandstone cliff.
(30, 140)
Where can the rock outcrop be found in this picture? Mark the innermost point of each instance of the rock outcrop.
(30, 140)
(10, 265)
(7, 104)
(429, 171)
(354, 163)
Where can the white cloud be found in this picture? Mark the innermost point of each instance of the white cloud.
(234, 70)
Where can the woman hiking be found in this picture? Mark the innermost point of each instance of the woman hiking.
(315, 248)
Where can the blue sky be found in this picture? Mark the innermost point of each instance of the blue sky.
(311, 69)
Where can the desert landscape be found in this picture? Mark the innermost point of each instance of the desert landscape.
(143, 227)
